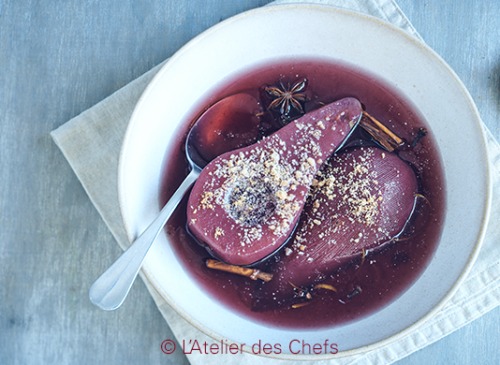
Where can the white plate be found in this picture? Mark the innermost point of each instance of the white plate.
(299, 31)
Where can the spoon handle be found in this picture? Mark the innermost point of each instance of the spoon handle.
(111, 288)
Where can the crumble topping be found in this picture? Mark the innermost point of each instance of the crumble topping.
(349, 190)
(265, 186)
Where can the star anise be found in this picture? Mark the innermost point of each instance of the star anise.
(288, 99)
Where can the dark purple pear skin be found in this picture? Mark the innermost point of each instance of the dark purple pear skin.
(247, 202)
(361, 200)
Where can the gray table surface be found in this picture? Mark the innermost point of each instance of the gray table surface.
(58, 58)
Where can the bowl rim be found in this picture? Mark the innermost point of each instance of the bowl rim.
(488, 189)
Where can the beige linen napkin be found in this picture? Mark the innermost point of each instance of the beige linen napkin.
(91, 143)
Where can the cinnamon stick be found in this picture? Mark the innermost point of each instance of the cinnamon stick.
(253, 274)
(380, 132)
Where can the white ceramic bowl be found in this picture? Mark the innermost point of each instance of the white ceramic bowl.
(300, 31)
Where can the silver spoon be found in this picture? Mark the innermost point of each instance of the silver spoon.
(203, 144)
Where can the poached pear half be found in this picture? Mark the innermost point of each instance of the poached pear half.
(246, 203)
(361, 201)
